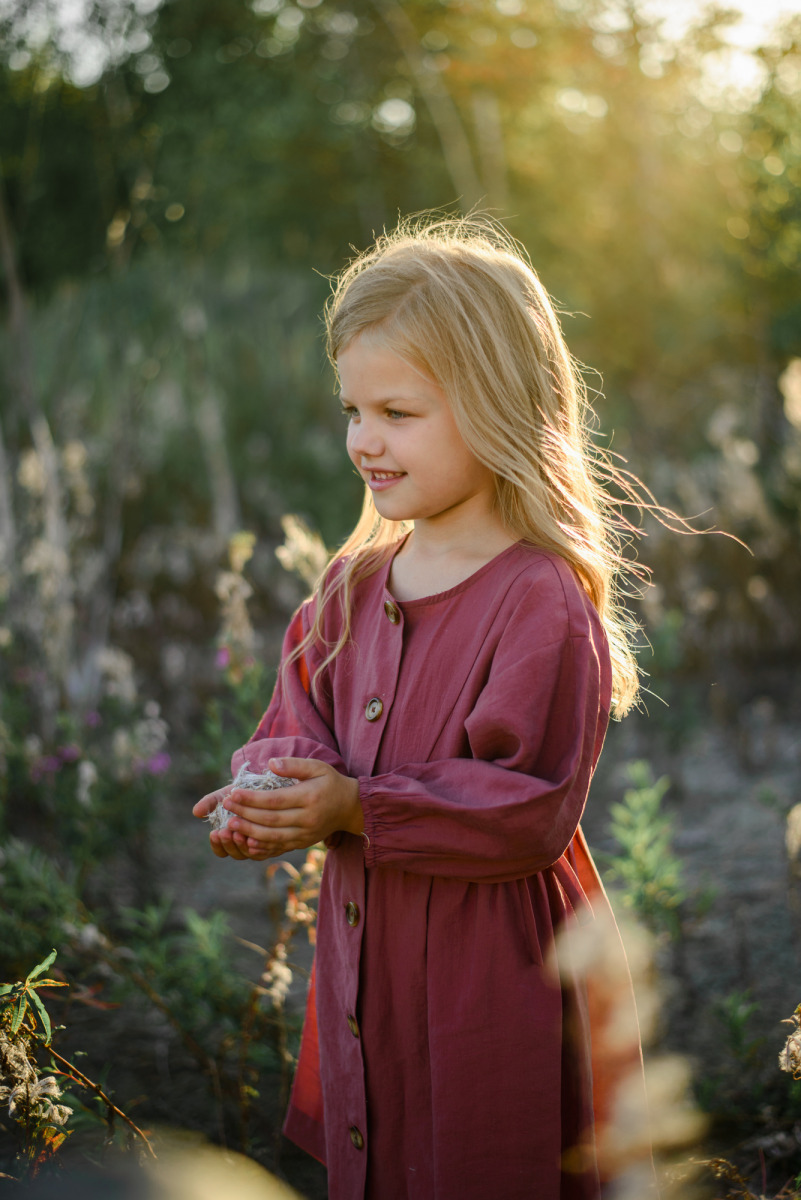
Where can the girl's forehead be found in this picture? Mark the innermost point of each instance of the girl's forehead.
(372, 358)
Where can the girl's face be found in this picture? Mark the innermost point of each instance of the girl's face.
(403, 440)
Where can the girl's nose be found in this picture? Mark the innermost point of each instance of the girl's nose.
(364, 438)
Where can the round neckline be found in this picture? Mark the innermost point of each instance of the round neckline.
(437, 597)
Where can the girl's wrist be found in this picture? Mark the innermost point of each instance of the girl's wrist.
(354, 822)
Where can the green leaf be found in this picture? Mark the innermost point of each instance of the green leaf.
(44, 1016)
(43, 965)
(5, 988)
(20, 1008)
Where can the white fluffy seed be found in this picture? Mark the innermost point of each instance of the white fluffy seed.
(218, 818)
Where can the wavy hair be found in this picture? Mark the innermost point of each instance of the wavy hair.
(459, 300)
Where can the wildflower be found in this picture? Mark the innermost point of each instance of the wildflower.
(222, 658)
(31, 473)
(158, 764)
(92, 719)
(149, 736)
(303, 550)
(278, 976)
(233, 592)
(117, 669)
(87, 778)
(790, 1057)
(26, 1096)
(32, 746)
(123, 750)
(47, 764)
(240, 550)
(74, 458)
(68, 753)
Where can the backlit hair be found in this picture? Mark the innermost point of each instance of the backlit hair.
(457, 299)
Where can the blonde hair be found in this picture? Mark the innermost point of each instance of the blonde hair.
(458, 299)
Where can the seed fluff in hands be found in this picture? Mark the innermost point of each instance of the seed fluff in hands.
(218, 817)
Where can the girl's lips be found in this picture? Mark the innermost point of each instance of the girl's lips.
(379, 481)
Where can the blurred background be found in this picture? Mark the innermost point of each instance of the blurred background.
(177, 180)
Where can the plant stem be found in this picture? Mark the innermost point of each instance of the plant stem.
(77, 1076)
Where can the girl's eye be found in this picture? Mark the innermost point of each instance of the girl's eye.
(394, 415)
(348, 412)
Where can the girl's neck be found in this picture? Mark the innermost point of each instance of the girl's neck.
(433, 560)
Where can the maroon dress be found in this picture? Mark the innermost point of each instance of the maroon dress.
(440, 1060)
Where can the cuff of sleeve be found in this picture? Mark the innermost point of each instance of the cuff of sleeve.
(372, 825)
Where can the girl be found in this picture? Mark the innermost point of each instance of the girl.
(442, 701)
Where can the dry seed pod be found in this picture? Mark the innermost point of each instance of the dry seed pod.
(247, 780)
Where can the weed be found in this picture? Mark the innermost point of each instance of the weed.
(646, 873)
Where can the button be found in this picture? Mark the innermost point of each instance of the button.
(356, 1137)
(353, 1025)
(392, 612)
(352, 913)
(374, 709)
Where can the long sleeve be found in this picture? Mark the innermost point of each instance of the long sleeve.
(534, 734)
(294, 726)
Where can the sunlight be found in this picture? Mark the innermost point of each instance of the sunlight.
(758, 19)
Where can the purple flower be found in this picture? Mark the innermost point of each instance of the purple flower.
(47, 764)
(93, 719)
(158, 764)
(222, 658)
(69, 753)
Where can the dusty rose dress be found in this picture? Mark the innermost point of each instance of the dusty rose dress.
(439, 1060)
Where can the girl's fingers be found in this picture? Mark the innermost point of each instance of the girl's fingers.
(275, 798)
(205, 805)
(291, 839)
(264, 818)
(279, 830)
(227, 843)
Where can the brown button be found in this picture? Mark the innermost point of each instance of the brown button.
(356, 1137)
(352, 913)
(353, 1025)
(392, 612)
(374, 709)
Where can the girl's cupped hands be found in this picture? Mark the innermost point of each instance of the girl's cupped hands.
(270, 823)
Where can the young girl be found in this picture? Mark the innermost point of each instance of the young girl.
(442, 701)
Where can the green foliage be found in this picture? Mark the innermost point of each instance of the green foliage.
(644, 871)
(231, 718)
(40, 904)
(25, 1001)
(189, 966)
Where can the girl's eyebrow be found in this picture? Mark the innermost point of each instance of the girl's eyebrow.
(386, 401)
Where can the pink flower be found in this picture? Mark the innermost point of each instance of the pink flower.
(222, 658)
(158, 764)
(93, 719)
(69, 753)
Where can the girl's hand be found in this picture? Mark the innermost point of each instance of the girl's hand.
(270, 823)
(222, 841)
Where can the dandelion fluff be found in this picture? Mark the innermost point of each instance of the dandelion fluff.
(248, 781)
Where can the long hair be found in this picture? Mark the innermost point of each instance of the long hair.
(458, 299)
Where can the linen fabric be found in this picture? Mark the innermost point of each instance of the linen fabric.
(442, 1057)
